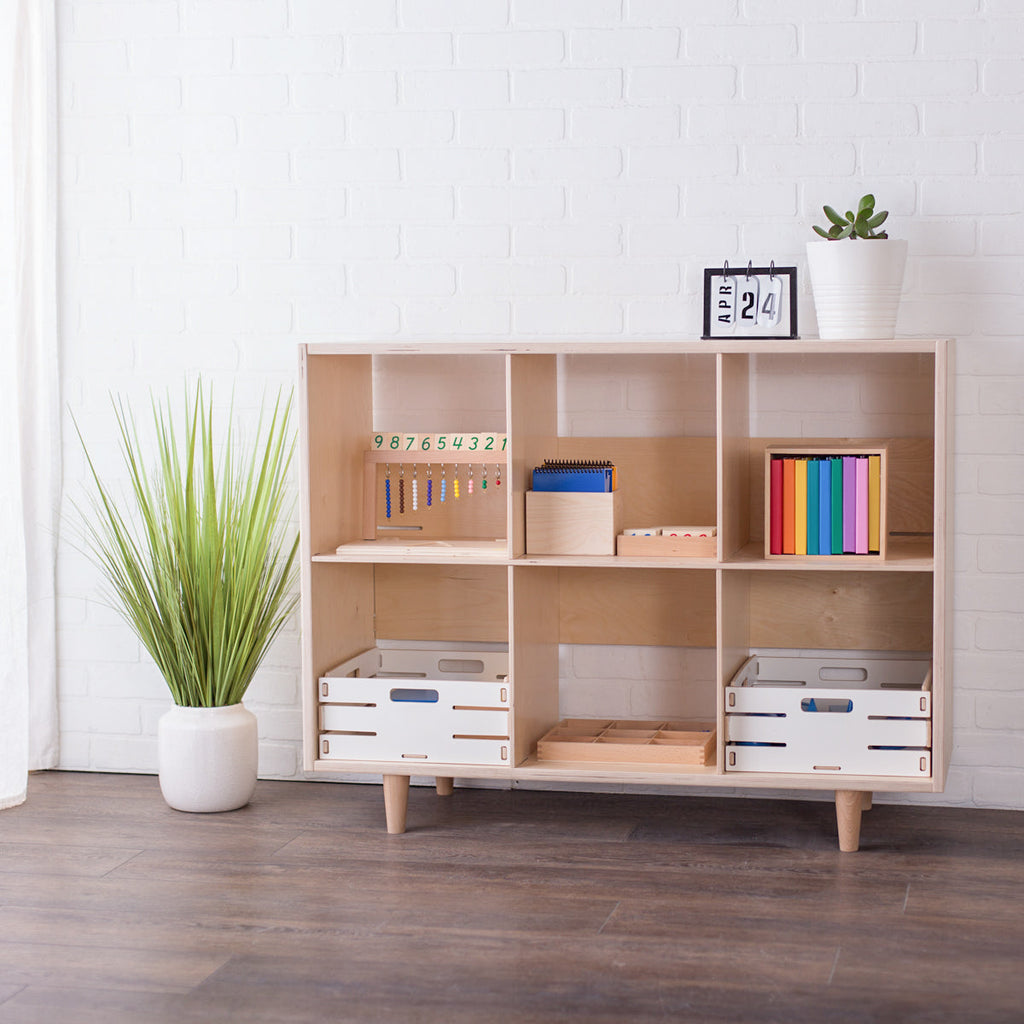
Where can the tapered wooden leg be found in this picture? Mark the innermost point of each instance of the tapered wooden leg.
(866, 805)
(849, 804)
(396, 802)
(445, 786)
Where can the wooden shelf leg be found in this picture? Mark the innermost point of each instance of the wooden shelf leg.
(849, 804)
(866, 804)
(396, 802)
(445, 786)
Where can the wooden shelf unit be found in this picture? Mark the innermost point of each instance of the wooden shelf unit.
(687, 424)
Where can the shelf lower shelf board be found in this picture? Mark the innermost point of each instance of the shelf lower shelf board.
(533, 770)
(403, 549)
(905, 554)
(617, 562)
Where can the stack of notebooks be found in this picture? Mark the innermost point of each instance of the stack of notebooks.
(825, 504)
(575, 475)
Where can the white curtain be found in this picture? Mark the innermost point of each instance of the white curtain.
(30, 466)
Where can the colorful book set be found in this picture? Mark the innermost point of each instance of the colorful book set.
(822, 501)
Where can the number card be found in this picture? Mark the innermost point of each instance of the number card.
(750, 303)
(447, 446)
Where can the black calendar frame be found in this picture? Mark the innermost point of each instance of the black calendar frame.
(789, 273)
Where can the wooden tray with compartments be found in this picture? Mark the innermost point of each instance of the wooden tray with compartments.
(626, 742)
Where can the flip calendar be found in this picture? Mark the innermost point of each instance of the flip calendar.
(751, 302)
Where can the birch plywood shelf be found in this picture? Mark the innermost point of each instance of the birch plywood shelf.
(692, 444)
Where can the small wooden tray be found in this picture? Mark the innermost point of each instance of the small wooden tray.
(589, 739)
(666, 547)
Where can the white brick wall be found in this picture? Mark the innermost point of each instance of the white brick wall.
(237, 175)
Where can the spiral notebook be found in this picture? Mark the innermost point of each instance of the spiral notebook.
(575, 475)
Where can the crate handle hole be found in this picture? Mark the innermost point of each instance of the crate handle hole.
(413, 696)
(468, 665)
(827, 705)
(842, 674)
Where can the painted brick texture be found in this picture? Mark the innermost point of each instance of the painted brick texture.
(238, 176)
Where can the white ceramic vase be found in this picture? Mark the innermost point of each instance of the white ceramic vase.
(857, 286)
(207, 757)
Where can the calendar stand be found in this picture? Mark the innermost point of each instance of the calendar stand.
(750, 303)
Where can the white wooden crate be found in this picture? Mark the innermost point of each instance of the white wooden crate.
(830, 716)
(449, 706)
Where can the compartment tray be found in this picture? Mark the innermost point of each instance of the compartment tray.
(628, 742)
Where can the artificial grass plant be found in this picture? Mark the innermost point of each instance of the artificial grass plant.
(198, 565)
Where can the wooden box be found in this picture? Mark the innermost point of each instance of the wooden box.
(572, 523)
(830, 716)
(875, 508)
(446, 706)
(600, 740)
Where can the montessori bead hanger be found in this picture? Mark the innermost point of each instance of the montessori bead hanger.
(454, 467)
(456, 483)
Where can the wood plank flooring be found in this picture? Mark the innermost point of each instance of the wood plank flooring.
(514, 907)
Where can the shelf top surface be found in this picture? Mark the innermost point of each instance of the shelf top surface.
(624, 346)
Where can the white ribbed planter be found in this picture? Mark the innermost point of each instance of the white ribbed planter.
(207, 757)
(856, 286)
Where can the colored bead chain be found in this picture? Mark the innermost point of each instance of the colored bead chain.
(483, 482)
(497, 482)
(469, 484)
(387, 493)
(401, 491)
(415, 490)
(455, 488)
(444, 485)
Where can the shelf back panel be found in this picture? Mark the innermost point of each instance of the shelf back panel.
(665, 481)
(841, 611)
(659, 607)
(453, 603)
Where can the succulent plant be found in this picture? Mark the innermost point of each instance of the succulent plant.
(861, 224)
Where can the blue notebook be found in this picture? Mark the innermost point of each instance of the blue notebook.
(572, 475)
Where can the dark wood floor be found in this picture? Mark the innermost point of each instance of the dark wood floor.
(501, 906)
